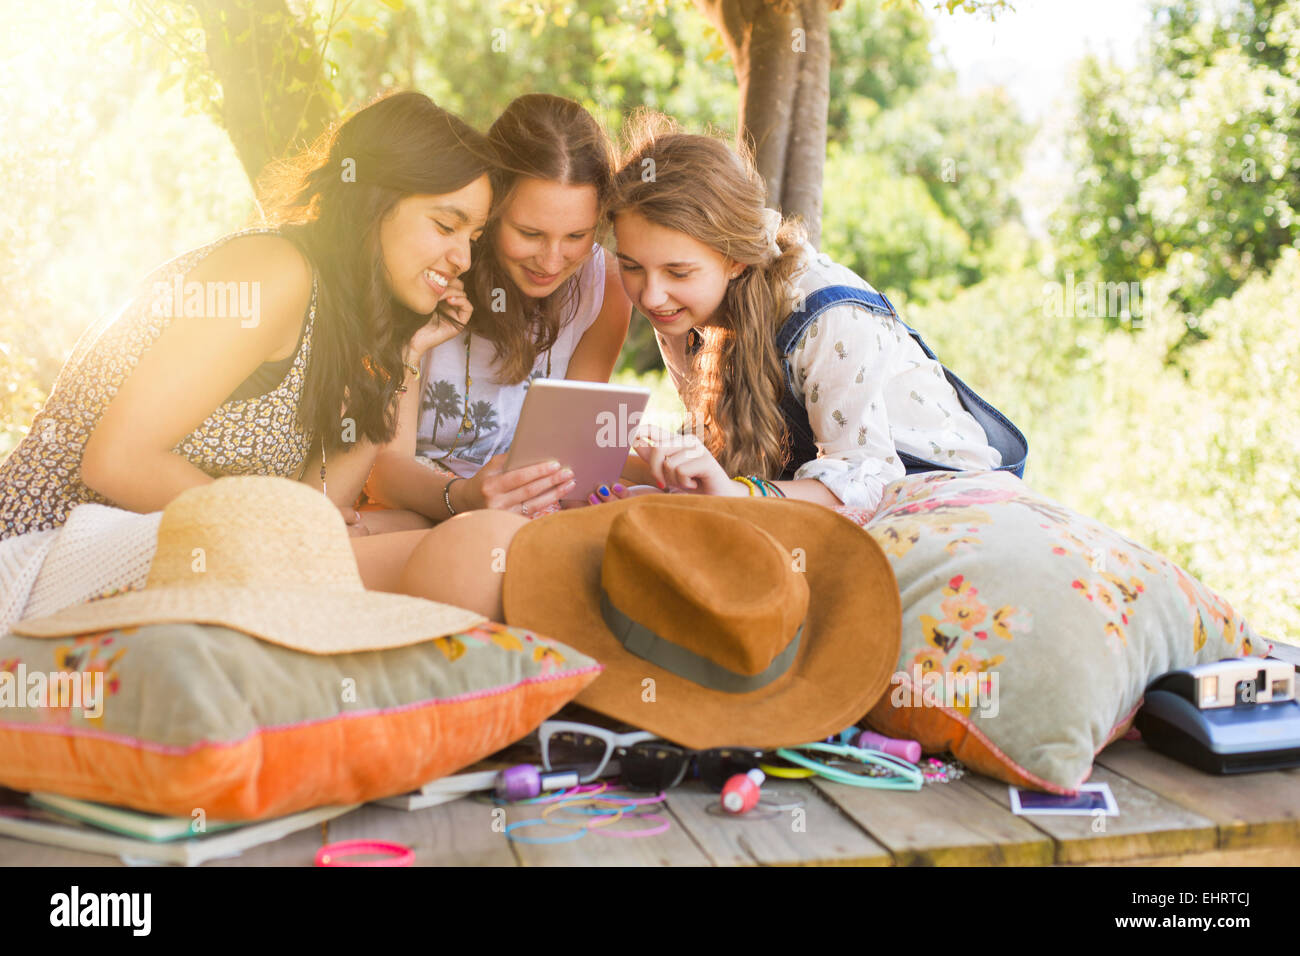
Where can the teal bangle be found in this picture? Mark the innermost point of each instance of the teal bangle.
(909, 776)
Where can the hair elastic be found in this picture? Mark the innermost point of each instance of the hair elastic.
(338, 854)
(520, 824)
(609, 818)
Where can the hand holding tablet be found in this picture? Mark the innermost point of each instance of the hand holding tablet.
(585, 426)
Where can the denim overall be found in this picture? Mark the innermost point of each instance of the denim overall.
(1002, 435)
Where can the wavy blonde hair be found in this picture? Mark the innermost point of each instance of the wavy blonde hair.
(699, 186)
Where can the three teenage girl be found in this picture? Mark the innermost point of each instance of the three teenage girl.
(383, 338)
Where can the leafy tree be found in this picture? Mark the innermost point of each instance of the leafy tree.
(1189, 161)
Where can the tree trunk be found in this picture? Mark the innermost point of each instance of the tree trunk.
(267, 60)
(780, 51)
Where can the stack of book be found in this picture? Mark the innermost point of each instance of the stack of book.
(135, 836)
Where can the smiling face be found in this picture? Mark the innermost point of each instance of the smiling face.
(546, 234)
(425, 242)
(676, 281)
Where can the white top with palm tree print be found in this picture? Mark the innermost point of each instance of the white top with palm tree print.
(492, 409)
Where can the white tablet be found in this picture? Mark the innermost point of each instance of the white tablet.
(585, 426)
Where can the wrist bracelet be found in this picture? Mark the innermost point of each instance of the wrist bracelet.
(446, 496)
(339, 854)
(753, 488)
(413, 369)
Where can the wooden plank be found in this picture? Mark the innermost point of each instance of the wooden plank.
(1148, 824)
(21, 853)
(671, 848)
(1255, 856)
(296, 849)
(452, 834)
(943, 824)
(813, 835)
(1251, 809)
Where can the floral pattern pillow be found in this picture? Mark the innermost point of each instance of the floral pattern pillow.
(1030, 632)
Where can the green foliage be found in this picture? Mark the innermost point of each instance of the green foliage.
(1190, 160)
(1197, 460)
(879, 52)
(474, 57)
(924, 187)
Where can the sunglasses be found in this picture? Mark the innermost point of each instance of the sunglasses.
(644, 761)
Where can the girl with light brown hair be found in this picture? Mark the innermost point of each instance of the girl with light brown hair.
(547, 303)
(798, 378)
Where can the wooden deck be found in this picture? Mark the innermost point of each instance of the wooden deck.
(1170, 814)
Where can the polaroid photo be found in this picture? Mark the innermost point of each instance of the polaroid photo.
(1092, 799)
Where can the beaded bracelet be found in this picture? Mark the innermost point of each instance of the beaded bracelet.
(760, 486)
(446, 496)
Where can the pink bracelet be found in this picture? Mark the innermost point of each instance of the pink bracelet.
(336, 854)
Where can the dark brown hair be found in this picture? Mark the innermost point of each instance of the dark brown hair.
(539, 136)
(330, 201)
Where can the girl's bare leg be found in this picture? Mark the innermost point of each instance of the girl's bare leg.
(384, 521)
(459, 562)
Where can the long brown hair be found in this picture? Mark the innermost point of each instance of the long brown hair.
(697, 185)
(538, 136)
(330, 201)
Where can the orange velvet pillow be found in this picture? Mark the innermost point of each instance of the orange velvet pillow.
(172, 718)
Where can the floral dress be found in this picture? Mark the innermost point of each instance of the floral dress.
(40, 481)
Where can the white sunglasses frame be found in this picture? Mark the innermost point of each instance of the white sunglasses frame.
(611, 740)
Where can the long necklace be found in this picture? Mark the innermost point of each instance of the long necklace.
(465, 421)
(464, 418)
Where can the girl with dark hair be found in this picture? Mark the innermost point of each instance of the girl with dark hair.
(273, 352)
(547, 302)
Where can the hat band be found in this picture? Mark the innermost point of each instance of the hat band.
(646, 644)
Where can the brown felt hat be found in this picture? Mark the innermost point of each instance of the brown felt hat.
(754, 622)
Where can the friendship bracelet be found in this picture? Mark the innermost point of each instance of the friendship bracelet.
(337, 854)
(753, 488)
(520, 824)
(562, 807)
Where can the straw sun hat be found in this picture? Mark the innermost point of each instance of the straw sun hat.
(754, 622)
(267, 556)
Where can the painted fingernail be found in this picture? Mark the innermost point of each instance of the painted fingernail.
(604, 491)
(661, 485)
(619, 489)
(593, 499)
